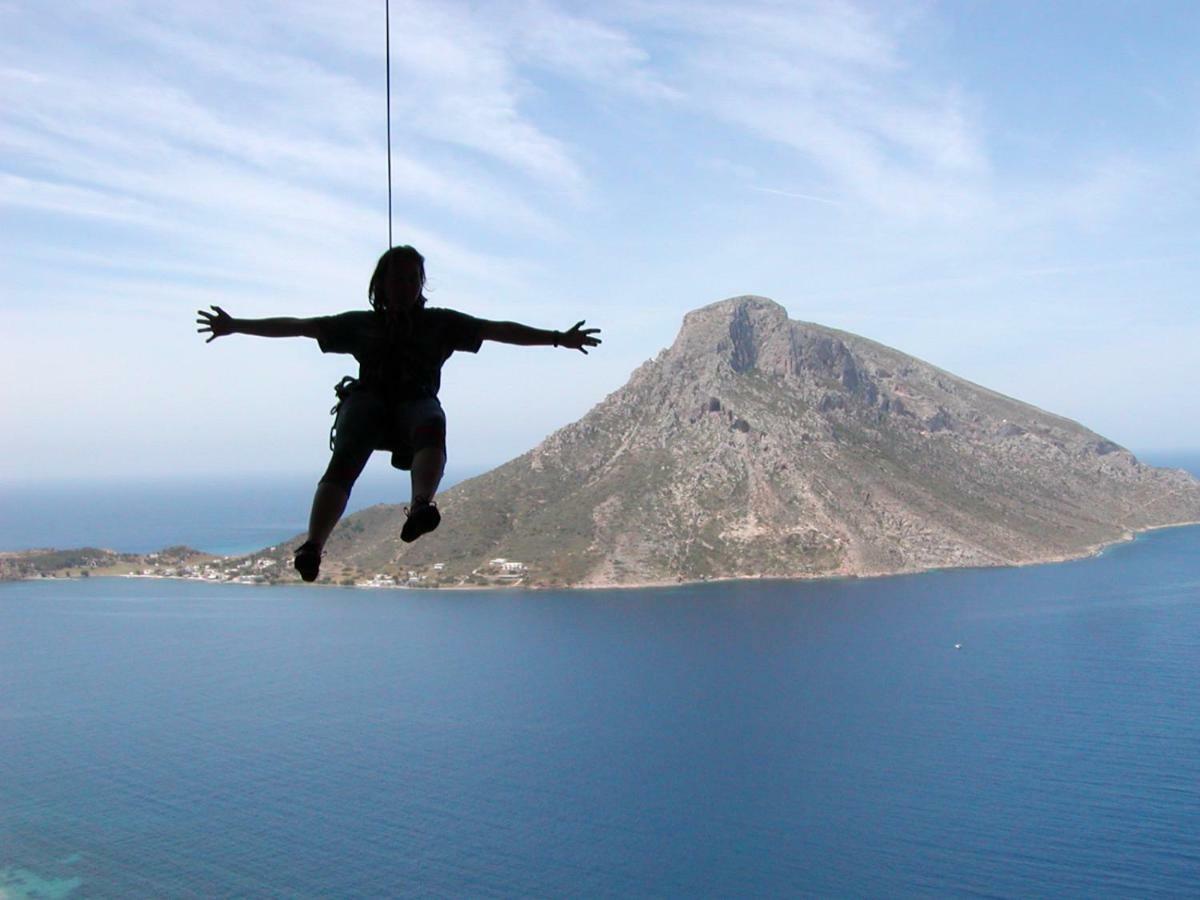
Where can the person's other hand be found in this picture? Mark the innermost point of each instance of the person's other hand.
(579, 338)
(218, 322)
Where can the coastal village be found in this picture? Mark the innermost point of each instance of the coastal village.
(264, 568)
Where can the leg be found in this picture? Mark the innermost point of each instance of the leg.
(358, 420)
(333, 492)
(428, 465)
(427, 434)
(329, 502)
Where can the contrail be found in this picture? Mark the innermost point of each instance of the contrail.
(796, 196)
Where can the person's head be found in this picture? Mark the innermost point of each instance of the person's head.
(398, 282)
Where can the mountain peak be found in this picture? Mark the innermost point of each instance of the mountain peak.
(737, 331)
(741, 305)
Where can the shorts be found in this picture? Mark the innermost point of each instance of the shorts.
(368, 421)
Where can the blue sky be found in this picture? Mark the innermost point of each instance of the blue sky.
(1008, 190)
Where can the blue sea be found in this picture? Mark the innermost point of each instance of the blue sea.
(990, 732)
(1020, 732)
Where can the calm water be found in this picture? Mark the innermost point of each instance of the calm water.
(176, 739)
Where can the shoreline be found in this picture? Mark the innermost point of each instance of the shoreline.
(1089, 552)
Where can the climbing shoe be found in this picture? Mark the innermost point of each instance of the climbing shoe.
(423, 517)
(307, 561)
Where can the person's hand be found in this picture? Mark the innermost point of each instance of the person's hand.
(578, 338)
(219, 322)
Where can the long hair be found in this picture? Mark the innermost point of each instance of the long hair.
(403, 257)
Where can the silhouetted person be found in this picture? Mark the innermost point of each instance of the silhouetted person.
(400, 345)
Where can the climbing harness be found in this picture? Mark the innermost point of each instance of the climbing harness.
(344, 388)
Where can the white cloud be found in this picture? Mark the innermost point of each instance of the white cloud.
(829, 81)
(282, 114)
(547, 36)
(69, 200)
(214, 138)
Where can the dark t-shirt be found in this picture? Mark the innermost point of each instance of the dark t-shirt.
(410, 366)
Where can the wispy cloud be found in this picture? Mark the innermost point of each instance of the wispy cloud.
(248, 143)
(545, 36)
(830, 81)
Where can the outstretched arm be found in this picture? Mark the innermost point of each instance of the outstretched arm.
(220, 323)
(575, 338)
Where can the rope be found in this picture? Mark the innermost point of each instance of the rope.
(387, 27)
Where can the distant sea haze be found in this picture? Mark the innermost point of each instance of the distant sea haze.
(232, 515)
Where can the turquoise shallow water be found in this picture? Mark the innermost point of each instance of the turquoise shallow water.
(752, 739)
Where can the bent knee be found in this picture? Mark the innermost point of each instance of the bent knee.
(427, 427)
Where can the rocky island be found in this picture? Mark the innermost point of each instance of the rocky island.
(757, 446)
